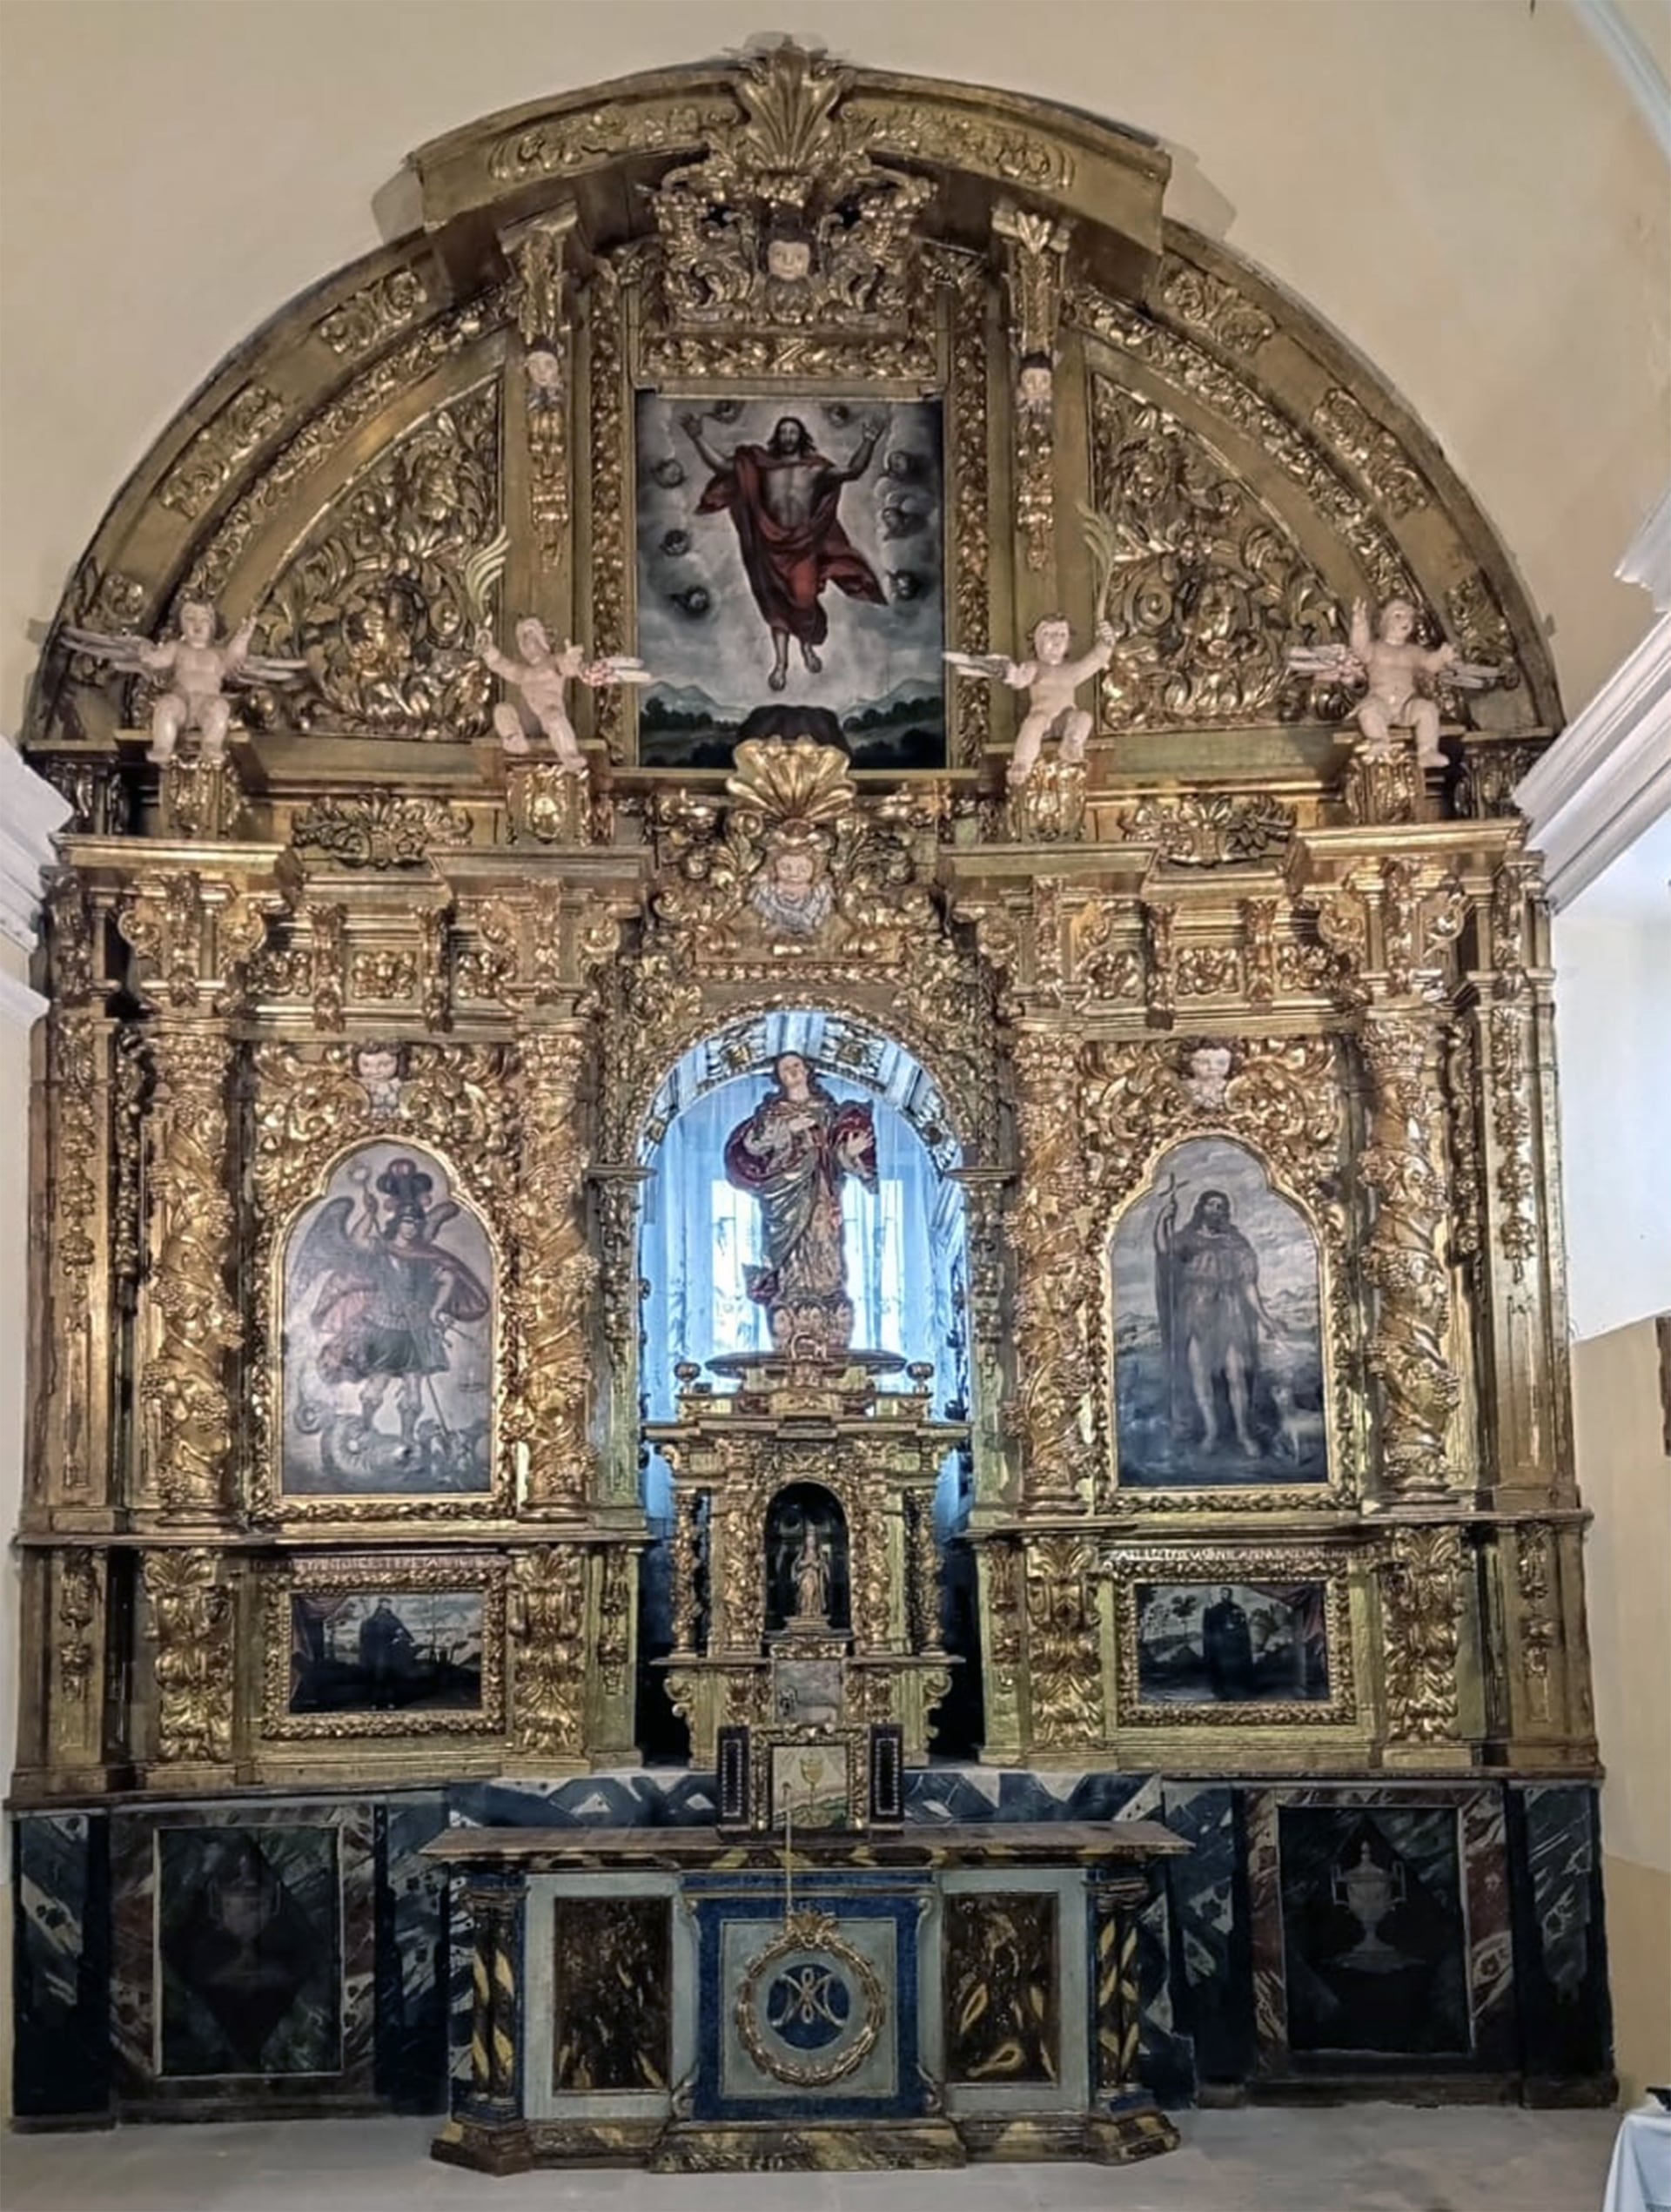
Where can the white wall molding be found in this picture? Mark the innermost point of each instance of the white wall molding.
(1607, 777)
(1647, 557)
(1637, 70)
(29, 811)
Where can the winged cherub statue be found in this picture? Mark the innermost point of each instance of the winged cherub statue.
(1399, 672)
(542, 678)
(199, 671)
(1049, 679)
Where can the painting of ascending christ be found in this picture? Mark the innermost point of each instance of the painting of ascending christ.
(792, 1154)
(789, 577)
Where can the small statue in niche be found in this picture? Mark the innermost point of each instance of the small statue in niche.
(198, 671)
(542, 678)
(812, 1579)
(1049, 679)
(1399, 672)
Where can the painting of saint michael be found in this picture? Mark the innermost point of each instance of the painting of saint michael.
(789, 578)
(387, 1337)
(1218, 1374)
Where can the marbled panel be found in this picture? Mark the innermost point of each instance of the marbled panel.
(246, 1925)
(1165, 2056)
(412, 1955)
(1265, 1922)
(1491, 1943)
(61, 1871)
(1214, 1965)
(1554, 1853)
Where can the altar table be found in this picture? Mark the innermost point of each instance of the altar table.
(680, 1999)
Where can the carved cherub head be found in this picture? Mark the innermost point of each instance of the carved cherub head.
(1208, 1074)
(196, 622)
(1051, 638)
(788, 257)
(1034, 383)
(531, 641)
(1397, 623)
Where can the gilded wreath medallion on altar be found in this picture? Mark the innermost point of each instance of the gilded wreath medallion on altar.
(811, 2006)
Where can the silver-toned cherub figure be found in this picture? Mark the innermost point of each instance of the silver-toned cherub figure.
(1399, 672)
(1049, 679)
(542, 678)
(197, 669)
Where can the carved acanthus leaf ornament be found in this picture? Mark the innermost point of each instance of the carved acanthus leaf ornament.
(788, 221)
(376, 602)
(191, 1639)
(1205, 587)
(546, 1616)
(1421, 1596)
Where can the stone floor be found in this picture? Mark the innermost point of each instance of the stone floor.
(1361, 2158)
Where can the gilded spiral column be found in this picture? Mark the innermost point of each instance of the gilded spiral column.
(1052, 1390)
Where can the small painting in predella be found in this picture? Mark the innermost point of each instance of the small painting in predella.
(247, 1951)
(790, 578)
(387, 1342)
(1218, 1329)
(1232, 1643)
(382, 1650)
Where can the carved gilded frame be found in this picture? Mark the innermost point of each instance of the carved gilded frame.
(627, 353)
(1129, 1568)
(1285, 1103)
(380, 1572)
(455, 1102)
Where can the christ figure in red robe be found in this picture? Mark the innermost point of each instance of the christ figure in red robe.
(783, 499)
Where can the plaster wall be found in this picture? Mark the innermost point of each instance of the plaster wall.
(1470, 193)
(1625, 1478)
(14, 1240)
(1612, 1019)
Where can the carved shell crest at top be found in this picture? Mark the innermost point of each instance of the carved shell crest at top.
(376, 602)
(1206, 590)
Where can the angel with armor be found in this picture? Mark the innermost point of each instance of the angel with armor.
(386, 1294)
(542, 678)
(1050, 680)
(198, 671)
(1399, 672)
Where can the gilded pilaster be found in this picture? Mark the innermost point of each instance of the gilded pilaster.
(190, 1327)
(190, 1609)
(1408, 1350)
(559, 1274)
(1052, 1385)
(546, 1622)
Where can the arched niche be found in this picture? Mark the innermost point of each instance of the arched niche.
(694, 1223)
(798, 1511)
(337, 476)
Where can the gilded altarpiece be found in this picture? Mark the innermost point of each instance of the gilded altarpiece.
(1243, 1039)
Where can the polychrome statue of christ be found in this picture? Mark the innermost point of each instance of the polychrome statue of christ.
(783, 500)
